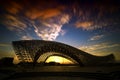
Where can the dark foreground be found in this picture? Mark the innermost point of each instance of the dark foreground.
(60, 73)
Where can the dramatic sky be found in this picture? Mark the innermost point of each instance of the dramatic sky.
(92, 26)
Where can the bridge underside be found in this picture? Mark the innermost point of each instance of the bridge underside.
(46, 55)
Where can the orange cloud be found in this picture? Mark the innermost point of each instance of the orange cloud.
(85, 25)
(43, 14)
(44, 11)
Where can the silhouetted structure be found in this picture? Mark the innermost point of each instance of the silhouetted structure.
(31, 50)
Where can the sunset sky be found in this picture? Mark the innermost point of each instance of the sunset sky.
(92, 26)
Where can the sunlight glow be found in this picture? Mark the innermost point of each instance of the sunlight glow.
(59, 59)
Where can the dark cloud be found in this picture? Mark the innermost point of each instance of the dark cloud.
(101, 14)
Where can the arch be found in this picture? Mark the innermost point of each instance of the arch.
(58, 49)
(45, 56)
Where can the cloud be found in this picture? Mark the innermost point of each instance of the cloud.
(14, 23)
(47, 20)
(43, 14)
(26, 38)
(84, 25)
(18, 25)
(63, 32)
(97, 15)
(99, 49)
(13, 8)
(91, 25)
(97, 37)
(50, 29)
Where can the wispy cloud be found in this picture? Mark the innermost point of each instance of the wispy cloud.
(98, 49)
(50, 29)
(84, 25)
(97, 37)
(92, 17)
(63, 32)
(14, 23)
(26, 38)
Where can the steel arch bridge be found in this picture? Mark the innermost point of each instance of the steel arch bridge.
(32, 50)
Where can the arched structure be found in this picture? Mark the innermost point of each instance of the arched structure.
(45, 56)
(31, 50)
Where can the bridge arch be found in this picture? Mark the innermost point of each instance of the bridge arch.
(59, 49)
(45, 56)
